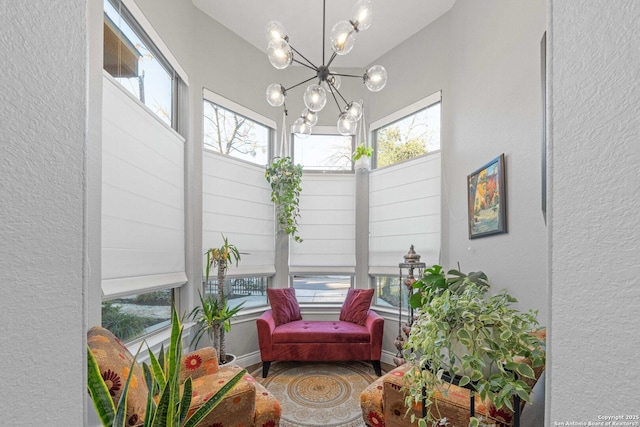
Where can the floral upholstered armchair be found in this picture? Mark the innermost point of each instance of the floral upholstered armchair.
(247, 404)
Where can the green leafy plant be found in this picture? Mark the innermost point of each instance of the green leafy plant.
(285, 179)
(460, 331)
(163, 380)
(214, 315)
(213, 319)
(362, 151)
(434, 282)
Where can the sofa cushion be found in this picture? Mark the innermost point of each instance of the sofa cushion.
(309, 331)
(356, 306)
(284, 305)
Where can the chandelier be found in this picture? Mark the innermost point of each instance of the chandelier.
(342, 38)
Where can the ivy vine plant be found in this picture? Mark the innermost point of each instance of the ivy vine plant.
(461, 331)
(285, 179)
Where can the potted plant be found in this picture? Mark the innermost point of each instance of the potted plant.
(214, 319)
(213, 316)
(162, 378)
(461, 332)
(362, 156)
(285, 179)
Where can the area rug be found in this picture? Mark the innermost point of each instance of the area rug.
(319, 394)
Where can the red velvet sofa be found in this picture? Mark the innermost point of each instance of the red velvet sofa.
(315, 340)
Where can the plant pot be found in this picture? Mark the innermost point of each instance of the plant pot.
(230, 359)
(363, 163)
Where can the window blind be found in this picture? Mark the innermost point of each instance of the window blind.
(237, 203)
(142, 197)
(404, 209)
(327, 226)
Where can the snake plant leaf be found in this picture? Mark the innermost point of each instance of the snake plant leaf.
(99, 391)
(185, 403)
(205, 409)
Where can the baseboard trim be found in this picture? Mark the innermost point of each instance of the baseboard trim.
(249, 359)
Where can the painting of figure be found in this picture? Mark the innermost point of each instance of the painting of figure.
(487, 201)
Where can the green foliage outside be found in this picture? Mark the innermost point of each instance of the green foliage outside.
(125, 326)
(393, 149)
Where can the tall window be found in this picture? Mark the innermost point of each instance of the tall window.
(136, 63)
(232, 134)
(324, 152)
(409, 149)
(410, 136)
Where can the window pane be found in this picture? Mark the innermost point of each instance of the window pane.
(234, 135)
(388, 292)
(133, 64)
(134, 316)
(321, 288)
(323, 152)
(251, 290)
(409, 137)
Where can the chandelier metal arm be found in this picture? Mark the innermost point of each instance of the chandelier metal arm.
(344, 100)
(324, 17)
(301, 83)
(336, 99)
(303, 64)
(303, 57)
(345, 75)
(331, 59)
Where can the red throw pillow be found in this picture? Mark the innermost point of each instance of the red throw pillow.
(284, 305)
(356, 306)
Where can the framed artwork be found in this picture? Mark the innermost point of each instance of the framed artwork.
(487, 198)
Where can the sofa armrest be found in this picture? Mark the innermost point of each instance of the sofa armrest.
(198, 363)
(266, 325)
(375, 326)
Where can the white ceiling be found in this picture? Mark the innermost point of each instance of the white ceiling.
(393, 22)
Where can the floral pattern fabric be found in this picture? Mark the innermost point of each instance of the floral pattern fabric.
(248, 404)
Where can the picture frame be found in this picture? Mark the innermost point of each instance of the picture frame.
(487, 199)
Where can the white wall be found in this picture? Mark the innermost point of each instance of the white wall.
(485, 57)
(595, 210)
(43, 276)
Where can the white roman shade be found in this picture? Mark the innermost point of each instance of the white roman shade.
(236, 201)
(404, 209)
(327, 226)
(142, 197)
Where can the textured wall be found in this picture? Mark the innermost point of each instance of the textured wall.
(43, 112)
(595, 207)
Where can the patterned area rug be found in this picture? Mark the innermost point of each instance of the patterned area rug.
(316, 394)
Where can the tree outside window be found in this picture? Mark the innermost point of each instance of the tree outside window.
(409, 137)
(234, 135)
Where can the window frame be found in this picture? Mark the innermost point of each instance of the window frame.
(401, 114)
(325, 131)
(137, 21)
(240, 110)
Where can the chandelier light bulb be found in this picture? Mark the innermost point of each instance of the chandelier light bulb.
(332, 83)
(354, 109)
(275, 95)
(280, 53)
(275, 31)
(362, 15)
(315, 97)
(343, 37)
(301, 129)
(375, 78)
(309, 117)
(346, 124)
